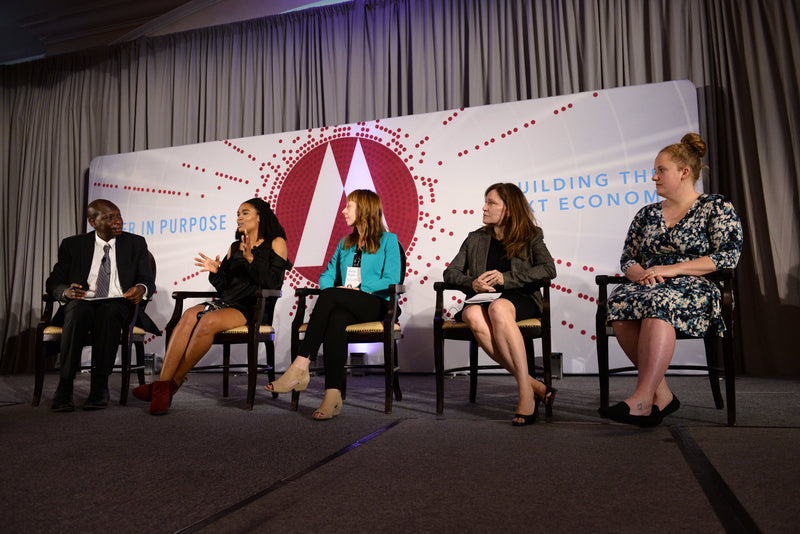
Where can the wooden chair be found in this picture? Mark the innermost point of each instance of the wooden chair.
(251, 334)
(444, 329)
(719, 350)
(385, 331)
(48, 343)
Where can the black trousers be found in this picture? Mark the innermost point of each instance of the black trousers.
(337, 308)
(105, 320)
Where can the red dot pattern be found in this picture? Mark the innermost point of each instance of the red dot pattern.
(491, 140)
(451, 117)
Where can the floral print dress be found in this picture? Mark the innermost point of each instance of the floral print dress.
(691, 304)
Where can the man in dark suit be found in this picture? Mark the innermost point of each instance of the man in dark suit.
(98, 276)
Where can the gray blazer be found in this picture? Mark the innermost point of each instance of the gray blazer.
(525, 275)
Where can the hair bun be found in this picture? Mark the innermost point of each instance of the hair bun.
(695, 142)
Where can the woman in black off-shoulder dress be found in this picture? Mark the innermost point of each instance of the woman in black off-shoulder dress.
(256, 260)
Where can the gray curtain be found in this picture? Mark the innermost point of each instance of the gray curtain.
(379, 58)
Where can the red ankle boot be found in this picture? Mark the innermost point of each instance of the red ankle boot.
(143, 392)
(161, 397)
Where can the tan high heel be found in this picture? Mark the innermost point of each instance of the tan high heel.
(294, 379)
(331, 405)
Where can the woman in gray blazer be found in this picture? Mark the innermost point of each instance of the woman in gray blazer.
(501, 267)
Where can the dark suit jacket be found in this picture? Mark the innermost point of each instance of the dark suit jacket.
(75, 255)
(525, 275)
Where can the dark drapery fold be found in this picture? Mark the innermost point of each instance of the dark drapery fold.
(379, 58)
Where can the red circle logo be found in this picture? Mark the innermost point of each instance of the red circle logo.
(320, 181)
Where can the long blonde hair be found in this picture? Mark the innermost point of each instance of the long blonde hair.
(518, 224)
(369, 217)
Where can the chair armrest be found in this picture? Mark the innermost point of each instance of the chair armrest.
(268, 293)
(722, 275)
(603, 281)
(177, 311)
(47, 309)
(447, 286)
(397, 289)
(606, 279)
(262, 295)
(306, 291)
(441, 287)
(300, 313)
(194, 294)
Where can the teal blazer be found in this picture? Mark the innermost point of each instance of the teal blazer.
(378, 271)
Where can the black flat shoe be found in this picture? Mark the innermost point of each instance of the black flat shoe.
(97, 400)
(621, 413)
(62, 400)
(672, 407)
(62, 403)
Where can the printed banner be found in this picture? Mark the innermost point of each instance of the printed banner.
(584, 162)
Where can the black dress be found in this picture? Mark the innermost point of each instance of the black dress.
(497, 259)
(524, 305)
(237, 280)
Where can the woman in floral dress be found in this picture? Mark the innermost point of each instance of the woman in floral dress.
(669, 246)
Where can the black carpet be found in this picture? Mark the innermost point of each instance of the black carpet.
(211, 466)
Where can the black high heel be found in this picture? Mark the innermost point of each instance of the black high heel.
(549, 396)
(527, 419)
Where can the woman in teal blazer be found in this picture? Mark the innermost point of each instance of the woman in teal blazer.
(355, 289)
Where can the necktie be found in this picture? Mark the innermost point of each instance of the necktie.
(104, 276)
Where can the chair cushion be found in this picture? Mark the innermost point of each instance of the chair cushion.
(373, 326)
(524, 324)
(57, 330)
(265, 329)
(529, 323)
(453, 325)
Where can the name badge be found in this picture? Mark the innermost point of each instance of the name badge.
(353, 279)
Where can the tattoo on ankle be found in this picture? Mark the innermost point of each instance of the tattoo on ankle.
(640, 406)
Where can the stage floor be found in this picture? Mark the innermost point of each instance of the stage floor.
(211, 466)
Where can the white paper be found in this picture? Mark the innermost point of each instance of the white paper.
(483, 297)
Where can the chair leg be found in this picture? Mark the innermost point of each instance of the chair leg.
(530, 356)
(547, 364)
(398, 395)
(730, 394)
(438, 364)
(602, 364)
(252, 372)
(388, 375)
(473, 371)
(140, 361)
(125, 362)
(713, 358)
(270, 347)
(730, 376)
(38, 381)
(295, 400)
(226, 367)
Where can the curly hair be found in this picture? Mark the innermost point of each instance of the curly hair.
(268, 225)
(518, 224)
